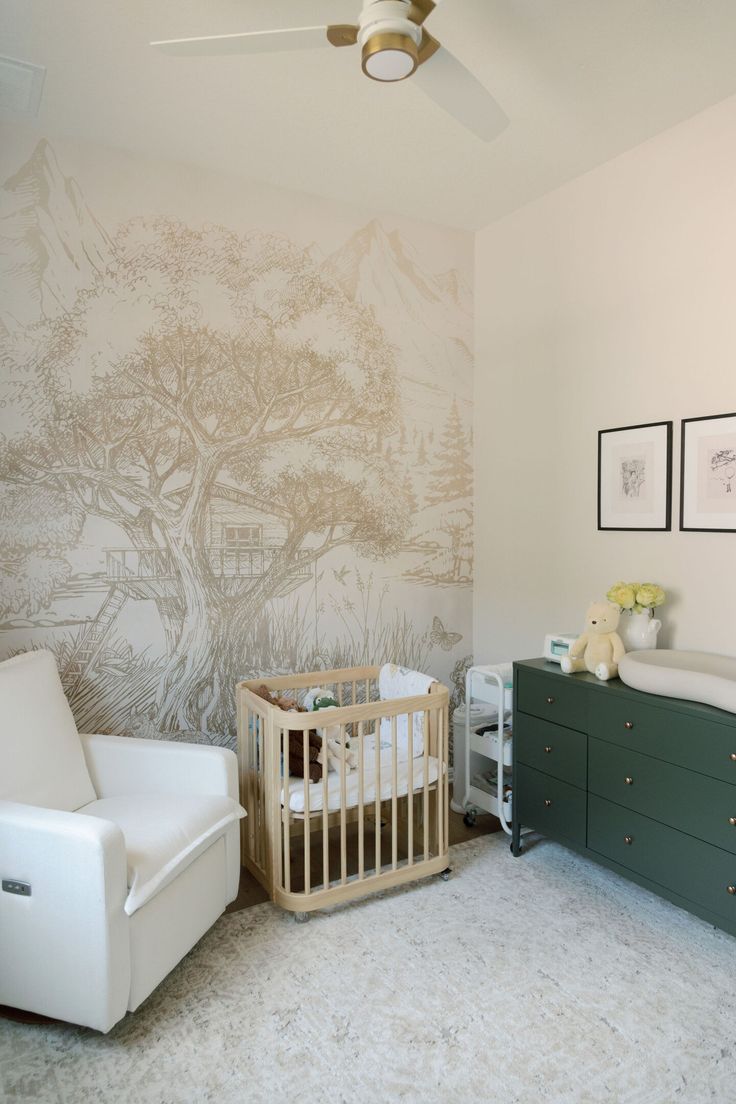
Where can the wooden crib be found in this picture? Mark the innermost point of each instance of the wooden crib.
(353, 832)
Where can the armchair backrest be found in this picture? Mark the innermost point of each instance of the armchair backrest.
(41, 756)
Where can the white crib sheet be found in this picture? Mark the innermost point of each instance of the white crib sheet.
(316, 789)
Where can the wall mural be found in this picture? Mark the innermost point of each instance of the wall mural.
(224, 455)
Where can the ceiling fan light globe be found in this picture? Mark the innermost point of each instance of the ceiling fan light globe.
(389, 57)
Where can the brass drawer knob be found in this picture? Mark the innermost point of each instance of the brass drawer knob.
(732, 756)
(628, 780)
(628, 839)
(548, 749)
(628, 725)
(732, 890)
(732, 821)
(547, 803)
(551, 701)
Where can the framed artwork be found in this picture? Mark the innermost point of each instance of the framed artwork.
(635, 477)
(708, 474)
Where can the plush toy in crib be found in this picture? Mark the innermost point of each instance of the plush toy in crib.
(296, 738)
(600, 648)
(319, 699)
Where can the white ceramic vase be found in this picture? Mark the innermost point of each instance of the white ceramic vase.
(638, 630)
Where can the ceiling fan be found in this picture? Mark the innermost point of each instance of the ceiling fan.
(394, 45)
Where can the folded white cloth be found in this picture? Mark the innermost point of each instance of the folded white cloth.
(401, 682)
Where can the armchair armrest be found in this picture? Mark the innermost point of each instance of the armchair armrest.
(65, 948)
(126, 765)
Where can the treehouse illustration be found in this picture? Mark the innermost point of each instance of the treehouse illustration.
(244, 542)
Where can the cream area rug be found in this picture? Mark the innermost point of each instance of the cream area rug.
(543, 978)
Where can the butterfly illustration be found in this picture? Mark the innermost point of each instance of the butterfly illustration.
(440, 635)
(340, 575)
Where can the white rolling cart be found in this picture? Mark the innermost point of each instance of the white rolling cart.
(489, 790)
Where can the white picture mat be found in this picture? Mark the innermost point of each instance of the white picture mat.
(706, 503)
(633, 478)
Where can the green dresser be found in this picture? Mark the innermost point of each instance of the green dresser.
(644, 785)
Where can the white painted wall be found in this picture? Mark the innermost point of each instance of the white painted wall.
(609, 302)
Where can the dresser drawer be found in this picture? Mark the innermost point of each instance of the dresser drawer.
(686, 866)
(700, 745)
(703, 807)
(549, 805)
(561, 752)
(552, 697)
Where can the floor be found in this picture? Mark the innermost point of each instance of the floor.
(252, 892)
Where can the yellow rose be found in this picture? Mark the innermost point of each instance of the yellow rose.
(649, 595)
(623, 595)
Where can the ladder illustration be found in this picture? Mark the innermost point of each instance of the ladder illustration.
(86, 651)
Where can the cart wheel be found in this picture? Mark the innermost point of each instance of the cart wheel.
(445, 874)
(469, 820)
(301, 917)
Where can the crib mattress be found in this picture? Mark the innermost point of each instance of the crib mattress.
(316, 789)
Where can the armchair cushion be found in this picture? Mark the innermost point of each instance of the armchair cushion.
(163, 834)
(41, 757)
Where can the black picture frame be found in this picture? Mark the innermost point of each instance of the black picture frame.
(614, 488)
(695, 479)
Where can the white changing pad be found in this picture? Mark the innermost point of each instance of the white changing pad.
(316, 789)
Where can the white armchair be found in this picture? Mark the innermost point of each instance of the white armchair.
(116, 854)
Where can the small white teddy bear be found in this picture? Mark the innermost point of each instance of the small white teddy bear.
(600, 648)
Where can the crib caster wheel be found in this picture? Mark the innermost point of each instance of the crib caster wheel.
(469, 820)
(511, 848)
(301, 917)
(445, 874)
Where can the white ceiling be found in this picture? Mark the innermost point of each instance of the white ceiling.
(581, 80)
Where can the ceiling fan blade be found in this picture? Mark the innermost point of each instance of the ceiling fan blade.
(454, 88)
(250, 42)
(342, 34)
(420, 9)
(428, 47)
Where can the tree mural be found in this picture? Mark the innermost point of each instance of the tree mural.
(250, 423)
(143, 425)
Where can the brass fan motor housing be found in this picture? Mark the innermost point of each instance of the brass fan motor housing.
(389, 41)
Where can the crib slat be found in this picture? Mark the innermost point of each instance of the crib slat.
(439, 788)
(425, 767)
(343, 811)
(277, 814)
(442, 780)
(410, 799)
(394, 788)
(354, 702)
(377, 799)
(307, 832)
(361, 818)
(258, 790)
(284, 776)
(325, 817)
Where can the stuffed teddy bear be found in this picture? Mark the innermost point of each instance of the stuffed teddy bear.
(296, 738)
(600, 648)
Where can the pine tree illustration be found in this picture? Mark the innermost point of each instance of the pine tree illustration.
(452, 474)
(421, 454)
(411, 497)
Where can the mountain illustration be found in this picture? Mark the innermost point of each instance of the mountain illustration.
(51, 245)
(417, 310)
